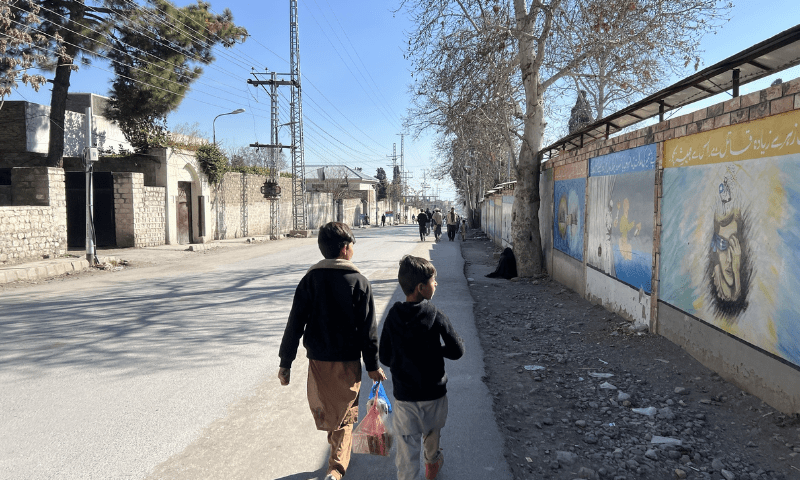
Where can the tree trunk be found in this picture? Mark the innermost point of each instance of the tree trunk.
(58, 108)
(525, 210)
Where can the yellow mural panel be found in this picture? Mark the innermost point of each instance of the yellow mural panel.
(768, 137)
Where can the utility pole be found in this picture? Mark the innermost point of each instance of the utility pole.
(298, 163)
(394, 171)
(89, 157)
(269, 189)
(299, 211)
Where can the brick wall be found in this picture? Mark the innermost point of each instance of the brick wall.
(38, 230)
(771, 101)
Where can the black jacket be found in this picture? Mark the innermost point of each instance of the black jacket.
(411, 346)
(333, 310)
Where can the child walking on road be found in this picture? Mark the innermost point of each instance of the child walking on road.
(333, 310)
(411, 346)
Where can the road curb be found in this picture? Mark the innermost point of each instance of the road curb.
(48, 269)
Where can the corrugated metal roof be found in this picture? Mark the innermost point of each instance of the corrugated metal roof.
(770, 56)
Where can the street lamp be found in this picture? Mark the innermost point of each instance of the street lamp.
(213, 124)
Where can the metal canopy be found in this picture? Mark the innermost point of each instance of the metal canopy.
(763, 59)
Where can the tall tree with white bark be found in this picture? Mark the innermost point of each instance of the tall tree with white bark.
(544, 45)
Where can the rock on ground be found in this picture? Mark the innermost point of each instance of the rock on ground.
(562, 418)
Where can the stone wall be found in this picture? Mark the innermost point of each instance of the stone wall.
(153, 218)
(39, 229)
(240, 210)
(139, 212)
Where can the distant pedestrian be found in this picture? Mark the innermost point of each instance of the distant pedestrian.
(422, 220)
(430, 219)
(333, 310)
(452, 224)
(463, 230)
(438, 219)
(413, 218)
(383, 220)
(415, 340)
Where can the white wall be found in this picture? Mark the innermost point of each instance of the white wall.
(105, 133)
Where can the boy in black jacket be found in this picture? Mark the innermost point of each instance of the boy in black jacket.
(334, 312)
(411, 346)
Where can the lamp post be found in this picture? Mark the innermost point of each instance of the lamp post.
(213, 124)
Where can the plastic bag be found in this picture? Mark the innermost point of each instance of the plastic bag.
(372, 434)
(383, 399)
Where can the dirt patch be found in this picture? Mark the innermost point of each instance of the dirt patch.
(579, 394)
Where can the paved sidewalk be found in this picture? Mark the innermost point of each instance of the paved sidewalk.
(75, 259)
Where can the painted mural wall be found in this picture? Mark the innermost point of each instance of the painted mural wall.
(730, 247)
(569, 203)
(620, 215)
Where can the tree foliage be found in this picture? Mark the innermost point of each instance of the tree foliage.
(56, 36)
(156, 55)
(22, 46)
(488, 70)
(382, 183)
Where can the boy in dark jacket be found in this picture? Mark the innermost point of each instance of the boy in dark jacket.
(334, 312)
(411, 346)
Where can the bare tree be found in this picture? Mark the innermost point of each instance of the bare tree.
(256, 157)
(544, 45)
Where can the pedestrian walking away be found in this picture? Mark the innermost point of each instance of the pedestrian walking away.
(438, 219)
(422, 220)
(334, 312)
(452, 224)
(415, 340)
(383, 220)
(463, 229)
(430, 220)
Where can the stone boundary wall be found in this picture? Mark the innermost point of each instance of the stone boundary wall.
(773, 379)
(39, 229)
(139, 211)
(240, 210)
(151, 230)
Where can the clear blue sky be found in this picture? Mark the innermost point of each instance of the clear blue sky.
(355, 79)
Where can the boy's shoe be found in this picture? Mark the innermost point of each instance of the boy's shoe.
(331, 476)
(432, 469)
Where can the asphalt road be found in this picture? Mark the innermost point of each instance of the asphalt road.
(170, 371)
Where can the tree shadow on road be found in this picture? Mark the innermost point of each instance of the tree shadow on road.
(318, 475)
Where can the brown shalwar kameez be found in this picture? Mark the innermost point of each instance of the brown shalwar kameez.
(333, 398)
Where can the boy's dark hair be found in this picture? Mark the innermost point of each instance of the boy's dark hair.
(332, 237)
(413, 271)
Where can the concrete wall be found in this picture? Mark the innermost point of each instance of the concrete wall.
(25, 133)
(36, 226)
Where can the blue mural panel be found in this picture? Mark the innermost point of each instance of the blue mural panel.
(569, 204)
(620, 220)
(633, 160)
